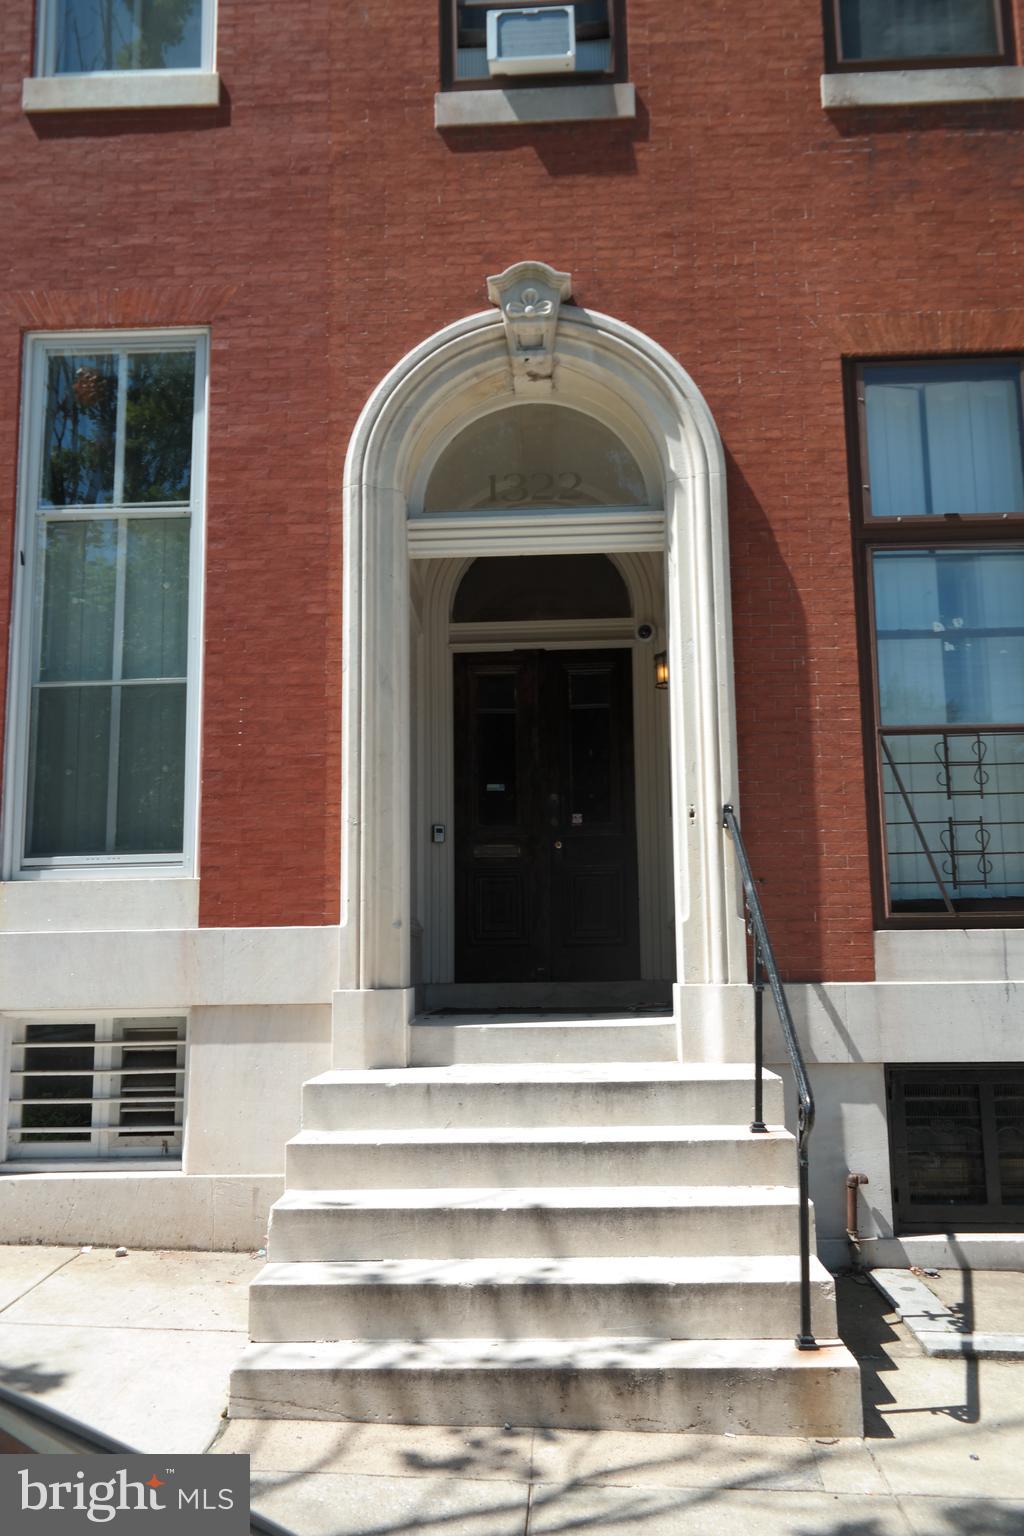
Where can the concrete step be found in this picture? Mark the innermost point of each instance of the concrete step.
(646, 1093)
(492, 1038)
(514, 1156)
(533, 1222)
(552, 997)
(541, 1298)
(736, 1386)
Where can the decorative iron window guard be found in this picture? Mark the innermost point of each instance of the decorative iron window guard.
(953, 813)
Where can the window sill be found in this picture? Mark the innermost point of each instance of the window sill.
(922, 87)
(94, 1167)
(126, 92)
(534, 104)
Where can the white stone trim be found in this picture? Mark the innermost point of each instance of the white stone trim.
(554, 531)
(949, 954)
(129, 92)
(848, 1024)
(97, 905)
(142, 1209)
(922, 87)
(129, 972)
(441, 385)
(534, 104)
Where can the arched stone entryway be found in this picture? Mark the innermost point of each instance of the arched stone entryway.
(534, 348)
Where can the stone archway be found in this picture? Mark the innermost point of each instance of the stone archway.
(535, 345)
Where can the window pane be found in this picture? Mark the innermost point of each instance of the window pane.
(966, 792)
(498, 589)
(151, 769)
(156, 598)
(78, 432)
(79, 581)
(128, 34)
(950, 636)
(535, 456)
(57, 1050)
(945, 1159)
(1009, 1107)
(158, 426)
(950, 652)
(944, 440)
(918, 29)
(68, 771)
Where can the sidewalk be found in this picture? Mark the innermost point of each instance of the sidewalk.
(142, 1347)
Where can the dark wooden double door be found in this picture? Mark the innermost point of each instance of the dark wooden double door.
(545, 825)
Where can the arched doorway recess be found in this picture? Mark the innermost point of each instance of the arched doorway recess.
(534, 349)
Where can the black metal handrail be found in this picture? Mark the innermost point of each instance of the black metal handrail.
(765, 965)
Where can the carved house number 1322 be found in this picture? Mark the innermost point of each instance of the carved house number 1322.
(540, 487)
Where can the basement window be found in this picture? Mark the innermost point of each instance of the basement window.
(957, 1143)
(98, 1088)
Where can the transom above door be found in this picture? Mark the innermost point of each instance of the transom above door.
(545, 834)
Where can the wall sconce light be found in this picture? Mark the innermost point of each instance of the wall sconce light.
(661, 670)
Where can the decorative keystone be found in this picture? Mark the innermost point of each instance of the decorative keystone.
(530, 295)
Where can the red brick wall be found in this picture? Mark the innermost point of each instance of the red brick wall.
(323, 227)
(217, 218)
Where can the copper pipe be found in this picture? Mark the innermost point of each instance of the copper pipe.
(852, 1182)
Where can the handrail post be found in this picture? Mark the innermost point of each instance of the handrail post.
(765, 964)
(805, 1338)
(757, 1124)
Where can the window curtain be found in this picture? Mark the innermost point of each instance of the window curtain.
(941, 444)
(114, 605)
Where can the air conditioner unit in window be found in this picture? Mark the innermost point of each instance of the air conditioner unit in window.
(534, 42)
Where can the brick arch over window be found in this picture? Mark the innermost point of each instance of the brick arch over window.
(422, 402)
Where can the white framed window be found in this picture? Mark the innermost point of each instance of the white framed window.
(98, 1088)
(123, 55)
(103, 730)
(89, 37)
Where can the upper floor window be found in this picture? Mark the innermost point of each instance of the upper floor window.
(939, 527)
(921, 34)
(594, 30)
(83, 37)
(942, 439)
(103, 739)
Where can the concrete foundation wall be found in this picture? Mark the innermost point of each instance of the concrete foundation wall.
(246, 1067)
(260, 1024)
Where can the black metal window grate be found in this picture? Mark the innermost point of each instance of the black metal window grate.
(957, 1140)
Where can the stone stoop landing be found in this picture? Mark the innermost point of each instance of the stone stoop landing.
(544, 1242)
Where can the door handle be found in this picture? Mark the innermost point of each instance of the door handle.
(558, 844)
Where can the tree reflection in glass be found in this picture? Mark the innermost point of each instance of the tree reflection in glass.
(99, 35)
